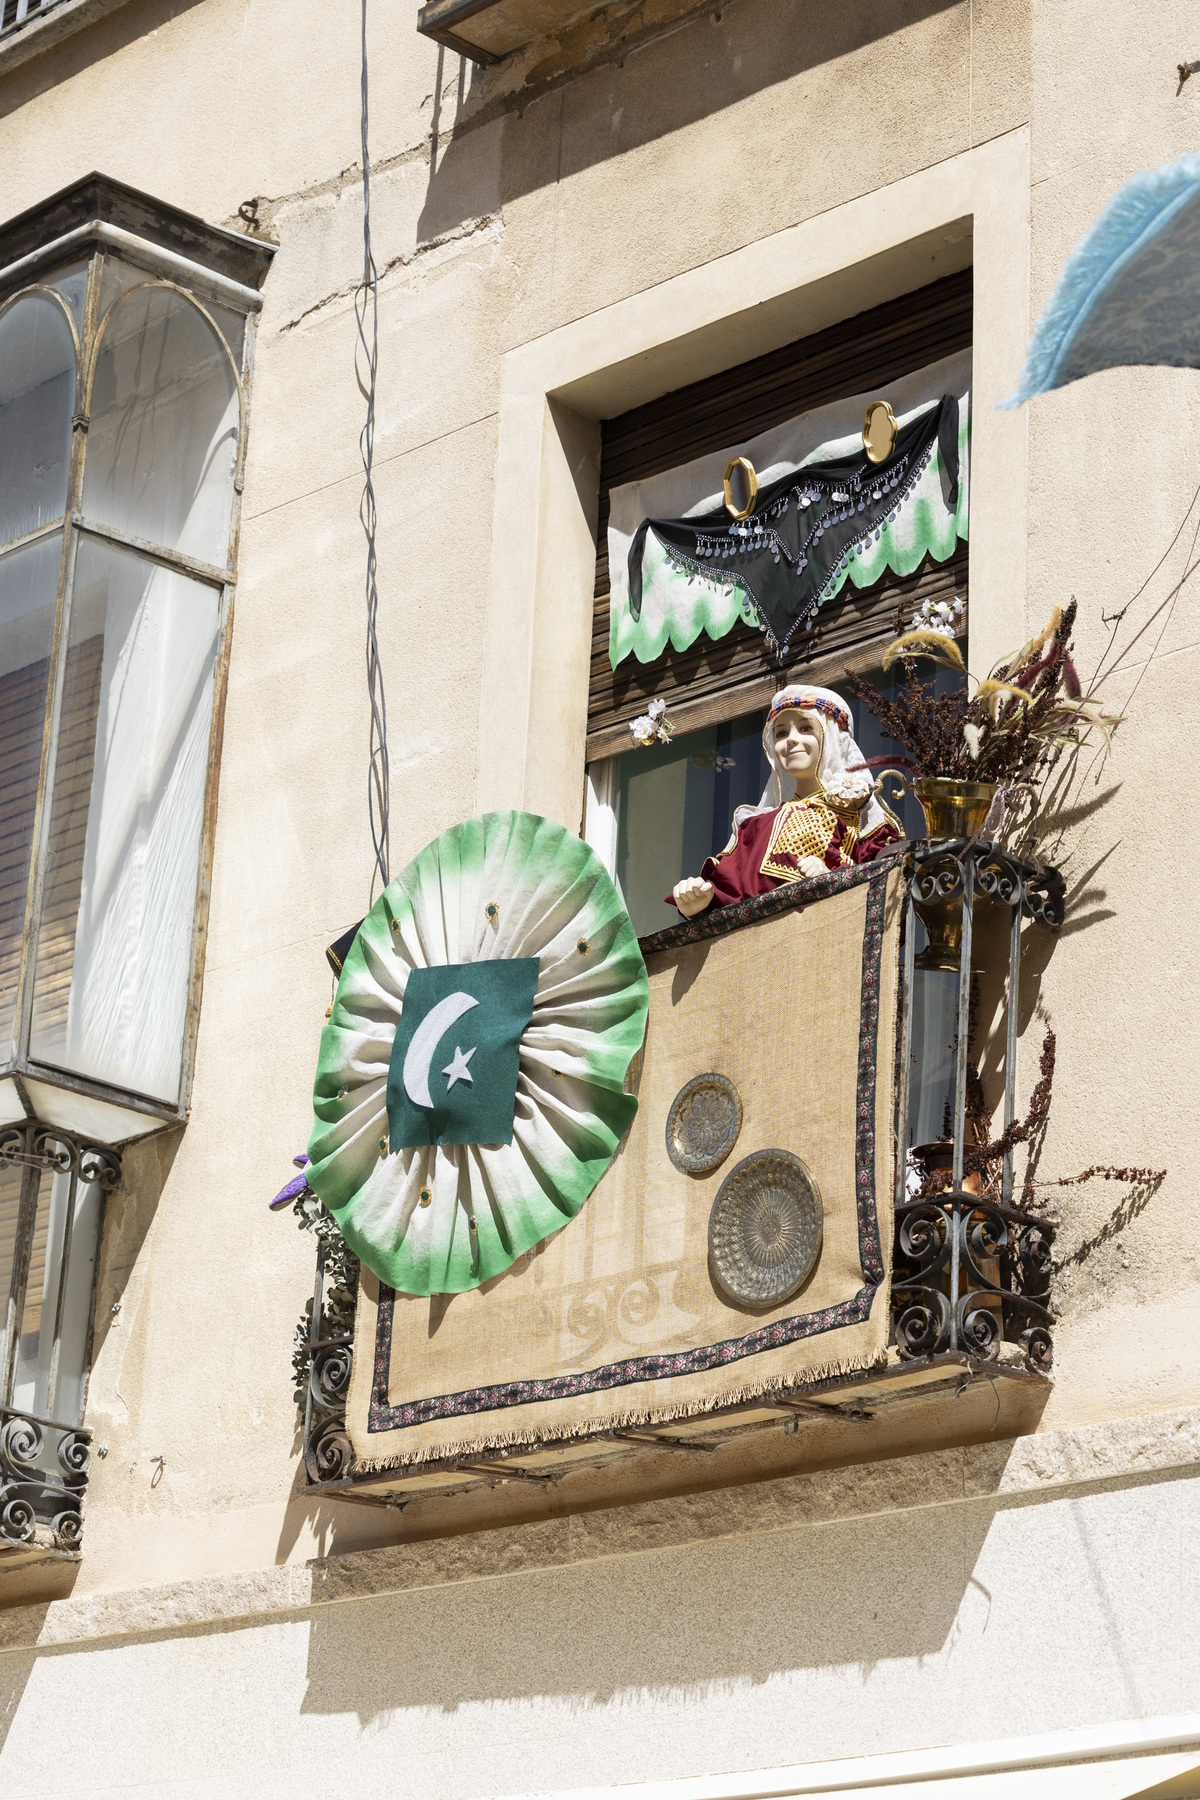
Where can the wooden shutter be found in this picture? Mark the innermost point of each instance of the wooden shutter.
(22, 717)
(738, 673)
(22, 714)
(73, 767)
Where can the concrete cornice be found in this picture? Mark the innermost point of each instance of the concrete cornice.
(1030, 1468)
(43, 30)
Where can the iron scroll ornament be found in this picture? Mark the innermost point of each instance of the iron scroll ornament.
(970, 1275)
(790, 553)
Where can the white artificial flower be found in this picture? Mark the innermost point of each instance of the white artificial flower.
(971, 733)
(938, 615)
(652, 727)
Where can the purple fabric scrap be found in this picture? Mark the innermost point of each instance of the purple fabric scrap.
(295, 1186)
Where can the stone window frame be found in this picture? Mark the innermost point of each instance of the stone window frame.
(555, 389)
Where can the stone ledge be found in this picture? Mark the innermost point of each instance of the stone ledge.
(44, 30)
(1020, 1468)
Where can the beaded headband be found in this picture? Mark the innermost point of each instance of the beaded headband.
(782, 703)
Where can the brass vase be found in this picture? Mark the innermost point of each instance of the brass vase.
(953, 809)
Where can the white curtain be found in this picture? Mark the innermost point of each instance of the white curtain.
(133, 934)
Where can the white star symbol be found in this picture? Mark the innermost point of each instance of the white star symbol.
(458, 1070)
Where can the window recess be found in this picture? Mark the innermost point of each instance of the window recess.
(719, 688)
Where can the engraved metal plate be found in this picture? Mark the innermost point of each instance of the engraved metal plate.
(703, 1123)
(764, 1231)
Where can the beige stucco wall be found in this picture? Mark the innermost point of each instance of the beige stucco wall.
(580, 243)
(935, 1599)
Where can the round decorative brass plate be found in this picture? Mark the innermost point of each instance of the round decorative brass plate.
(703, 1123)
(764, 1231)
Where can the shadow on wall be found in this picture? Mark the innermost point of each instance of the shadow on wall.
(721, 1623)
(736, 1612)
(128, 1215)
(336, 1527)
(597, 94)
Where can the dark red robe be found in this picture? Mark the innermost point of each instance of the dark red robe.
(738, 873)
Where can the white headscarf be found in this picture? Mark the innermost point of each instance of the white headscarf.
(839, 770)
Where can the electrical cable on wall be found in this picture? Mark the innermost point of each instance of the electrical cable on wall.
(366, 312)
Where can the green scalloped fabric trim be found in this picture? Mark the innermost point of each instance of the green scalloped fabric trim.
(446, 1218)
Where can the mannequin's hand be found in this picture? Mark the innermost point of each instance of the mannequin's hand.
(812, 865)
(692, 895)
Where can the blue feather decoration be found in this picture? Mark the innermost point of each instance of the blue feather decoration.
(1127, 292)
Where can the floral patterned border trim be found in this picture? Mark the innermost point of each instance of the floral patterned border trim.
(384, 1417)
(721, 920)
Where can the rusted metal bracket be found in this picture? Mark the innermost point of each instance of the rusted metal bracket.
(817, 1409)
(662, 1443)
(505, 1470)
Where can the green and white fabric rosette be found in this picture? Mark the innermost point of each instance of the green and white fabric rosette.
(470, 1087)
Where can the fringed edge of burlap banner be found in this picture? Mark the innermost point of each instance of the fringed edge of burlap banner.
(569, 1431)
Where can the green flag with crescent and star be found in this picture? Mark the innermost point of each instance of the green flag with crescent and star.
(453, 1072)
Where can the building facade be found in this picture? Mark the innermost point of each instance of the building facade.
(608, 244)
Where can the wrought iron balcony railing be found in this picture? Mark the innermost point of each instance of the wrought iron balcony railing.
(52, 1191)
(971, 1271)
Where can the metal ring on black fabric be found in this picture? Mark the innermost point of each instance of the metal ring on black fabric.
(750, 477)
(703, 1123)
(880, 431)
(765, 1228)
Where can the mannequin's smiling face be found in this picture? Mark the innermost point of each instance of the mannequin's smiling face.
(798, 745)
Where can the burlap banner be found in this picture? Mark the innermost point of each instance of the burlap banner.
(616, 1319)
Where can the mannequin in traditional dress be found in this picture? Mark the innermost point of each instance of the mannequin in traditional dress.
(834, 820)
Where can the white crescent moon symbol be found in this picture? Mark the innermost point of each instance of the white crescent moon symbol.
(425, 1039)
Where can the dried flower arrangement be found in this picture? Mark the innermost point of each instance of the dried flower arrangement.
(1017, 724)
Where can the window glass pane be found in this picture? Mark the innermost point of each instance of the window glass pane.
(934, 1038)
(37, 1387)
(72, 285)
(675, 807)
(119, 277)
(37, 399)
(28, 591)
(115, 943)
(233, 324)
(116, 279)
(10, 1207)
(164, 422)
(24, 1383)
